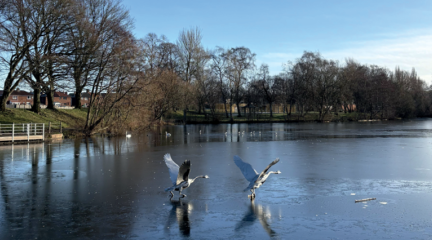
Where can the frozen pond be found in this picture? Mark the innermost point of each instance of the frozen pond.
(112, 188)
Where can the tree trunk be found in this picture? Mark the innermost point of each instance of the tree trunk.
(231, 118)
(204, 111)
(50, 99)
(78, 99)
(4, 98)
(290, 109)
(238, 109)
(271, 109)
(184, 116)
(199, 107)
(8, 87)
(226, 111)
(36, 101)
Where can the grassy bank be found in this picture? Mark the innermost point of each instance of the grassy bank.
(70, 118)
(74, 119)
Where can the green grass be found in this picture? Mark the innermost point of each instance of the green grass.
(75, 118)
(70, 118)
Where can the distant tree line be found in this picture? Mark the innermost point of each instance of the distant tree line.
(88, 44)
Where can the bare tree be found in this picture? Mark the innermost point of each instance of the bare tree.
(159, 97)
(20, 30)
(265, 84)
(240, 61)
(168, 56)
(326, 86)
(303, 73)
(254, 98)
(117, 75)
(347, 76)
(97, 22)
(45, 55)
(190, 52)
(219, 69)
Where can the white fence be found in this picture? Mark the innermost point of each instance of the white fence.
(22, 132)
(28, 106)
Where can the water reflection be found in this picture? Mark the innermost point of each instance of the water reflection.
(254, 212)
(91, 188)
(190, 134)
(180, 211)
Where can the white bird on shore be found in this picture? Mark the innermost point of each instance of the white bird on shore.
(128, 135)
(255, 179)
(167, 134)
(179, 175)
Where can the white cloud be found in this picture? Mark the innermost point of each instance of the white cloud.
(406, 51)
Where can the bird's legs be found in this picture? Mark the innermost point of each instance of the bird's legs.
(181, 194)
(252, 196)
(171, 195)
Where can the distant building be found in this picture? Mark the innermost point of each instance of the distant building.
(19, 97)
(85, 98)
(61, 99)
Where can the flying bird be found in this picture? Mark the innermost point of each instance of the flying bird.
(255, 179)
(179, 175)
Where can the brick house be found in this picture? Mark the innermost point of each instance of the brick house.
(19, 97)
(61, 99)
(85, 98)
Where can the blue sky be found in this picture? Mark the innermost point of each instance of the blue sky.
(386, 33)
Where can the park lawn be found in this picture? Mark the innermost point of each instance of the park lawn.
(70, 118)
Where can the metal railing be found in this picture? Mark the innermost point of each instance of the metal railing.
(22, 131)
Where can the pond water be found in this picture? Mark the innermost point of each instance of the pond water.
(113, 188)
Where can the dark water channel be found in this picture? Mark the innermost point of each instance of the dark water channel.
(112, 188)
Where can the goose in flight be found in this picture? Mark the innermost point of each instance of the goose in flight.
(179, 175)
(255, 179)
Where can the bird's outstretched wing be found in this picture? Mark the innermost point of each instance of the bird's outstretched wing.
(248, 172)
(183, 174)
(268, 167)
(172, 167)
